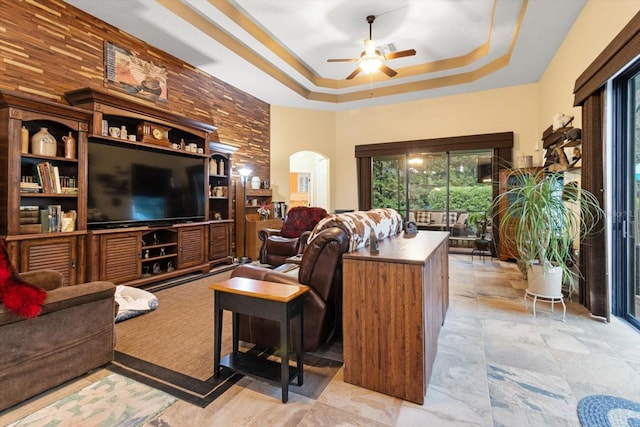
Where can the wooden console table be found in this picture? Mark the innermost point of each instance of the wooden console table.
(269, 300)
(395, 303)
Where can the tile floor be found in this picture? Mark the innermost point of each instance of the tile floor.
(496, 366)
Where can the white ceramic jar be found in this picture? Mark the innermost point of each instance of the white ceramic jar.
(43, 143)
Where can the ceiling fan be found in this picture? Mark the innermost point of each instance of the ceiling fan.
(371, 59)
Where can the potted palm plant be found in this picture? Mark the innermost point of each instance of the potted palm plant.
(544, 217)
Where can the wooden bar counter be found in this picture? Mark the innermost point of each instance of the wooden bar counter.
(394, 306)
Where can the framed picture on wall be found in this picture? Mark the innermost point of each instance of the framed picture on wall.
(133, 75)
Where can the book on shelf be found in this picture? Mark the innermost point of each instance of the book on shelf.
(30, 187)
(48, 177)
(29, 220)
(44, 177)
(30, 228)
(29, 208)
(56, 179)
(54, 218)
(29, 215)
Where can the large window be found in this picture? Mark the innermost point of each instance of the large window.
(456, 181)
(453, 173)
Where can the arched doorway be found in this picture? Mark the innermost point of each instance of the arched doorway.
(308, 179)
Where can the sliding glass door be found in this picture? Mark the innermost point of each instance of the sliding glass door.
(457, 181)
(389, 183)
(626, 198)
(427, 181)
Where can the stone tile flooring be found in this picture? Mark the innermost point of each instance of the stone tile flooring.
(496, 366)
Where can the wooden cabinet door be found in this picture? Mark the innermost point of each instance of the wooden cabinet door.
(507, 248)
(219, 241)
(191, 244)
(120, 257)
(253, 241)
(51, 253)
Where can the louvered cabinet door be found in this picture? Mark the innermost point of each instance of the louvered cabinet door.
(120, 257)
(54, 253)
(191, 244)
(219, 242)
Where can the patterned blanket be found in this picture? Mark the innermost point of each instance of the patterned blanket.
(384, 222)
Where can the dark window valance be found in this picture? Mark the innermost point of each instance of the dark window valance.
(620, 52)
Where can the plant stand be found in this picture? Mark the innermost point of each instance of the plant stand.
(481, 247)
(545, 298)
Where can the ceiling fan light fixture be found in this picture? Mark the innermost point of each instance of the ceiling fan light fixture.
(371, 60)
(370, 65)
(369, 47)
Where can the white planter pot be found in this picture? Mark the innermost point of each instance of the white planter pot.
(545, 281)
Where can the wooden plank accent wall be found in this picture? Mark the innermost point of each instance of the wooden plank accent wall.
(48, 47)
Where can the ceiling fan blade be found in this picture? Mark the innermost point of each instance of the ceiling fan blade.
(400, 54)
(388, 71)
(355, 73)
(342, 60)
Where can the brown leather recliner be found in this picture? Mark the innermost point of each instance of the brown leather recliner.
(291, 239)
(320, 269)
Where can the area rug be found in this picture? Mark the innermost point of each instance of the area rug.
(193, 390)
(113, 401)
(171, 348)
(608, 411)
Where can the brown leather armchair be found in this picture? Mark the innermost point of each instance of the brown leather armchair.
(320, 269)
(291, 239)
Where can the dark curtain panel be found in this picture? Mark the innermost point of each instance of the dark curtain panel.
(589, 94)
(364, 167)
(594, 292)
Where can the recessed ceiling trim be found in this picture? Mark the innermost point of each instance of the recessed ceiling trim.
(217, 33)
(237, 16)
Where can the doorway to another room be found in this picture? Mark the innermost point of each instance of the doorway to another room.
(308, 180)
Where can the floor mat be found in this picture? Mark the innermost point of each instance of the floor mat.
(114, 400)
(608, 411)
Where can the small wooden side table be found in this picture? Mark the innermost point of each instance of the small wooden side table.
(269, 300)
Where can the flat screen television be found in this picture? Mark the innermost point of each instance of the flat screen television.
(130, 185)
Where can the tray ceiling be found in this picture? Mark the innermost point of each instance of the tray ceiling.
(277, 50)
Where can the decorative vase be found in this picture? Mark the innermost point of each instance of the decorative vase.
(43, 143)
(69, 146)
(24, 140)
(221, 170)
(255, 183)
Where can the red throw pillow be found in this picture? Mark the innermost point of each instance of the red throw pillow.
(17, 295)
(301, 219)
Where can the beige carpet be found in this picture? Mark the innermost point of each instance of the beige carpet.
(179, 334)
(174, 344)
